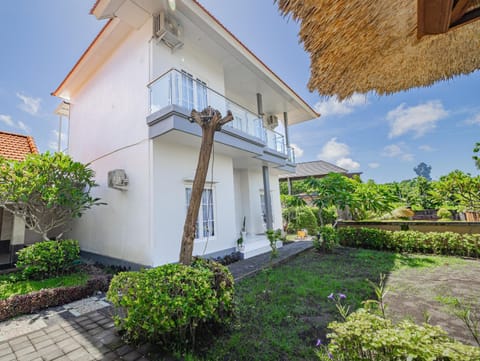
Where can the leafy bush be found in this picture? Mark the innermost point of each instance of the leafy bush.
(329, 239)
(328, 215)
(444, 213)
(368, 336)
(172, 305)
(299, 218)
(34, 301)
(441, 243)
(48, 258)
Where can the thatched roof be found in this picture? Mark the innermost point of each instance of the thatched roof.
(365, 45)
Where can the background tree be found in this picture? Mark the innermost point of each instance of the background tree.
(46, 191)
(371, 199)
(476, 158)
(210, 120)
(423, 170)
(460, 190)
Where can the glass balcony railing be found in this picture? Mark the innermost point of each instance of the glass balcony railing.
(179, 88)
(291, 154)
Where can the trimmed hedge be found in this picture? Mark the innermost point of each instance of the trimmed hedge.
(441, 243)
(48, 258)
(34, 301)
(175, 306)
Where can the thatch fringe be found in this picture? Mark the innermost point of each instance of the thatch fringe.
(365, 45)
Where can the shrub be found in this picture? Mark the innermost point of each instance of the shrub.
(173, 304)
(441, 243)
(329, 215)
(34, 301)
(444, 213)
(368, 336)
(48, 258)
(301, 218)
(329, 239)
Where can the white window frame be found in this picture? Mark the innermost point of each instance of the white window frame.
(199, 228)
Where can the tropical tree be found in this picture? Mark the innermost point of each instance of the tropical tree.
(460, 190)
(210, 120)
(332, 190)
(476, 158)
(46, 190)
(373, 198)
(423, 170)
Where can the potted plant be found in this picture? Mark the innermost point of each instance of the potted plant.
(240, 246)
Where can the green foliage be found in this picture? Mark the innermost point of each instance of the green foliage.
(327, 215)
(48, 258)
(291, 201)
(368, 336)
(175, 306)
(402, 213)
(46, 190)
(299, 218)
(444, 213)
(459, 190)
(441, 243)
(10, 286)
(273, 237)
(328, 239)
(371, 199)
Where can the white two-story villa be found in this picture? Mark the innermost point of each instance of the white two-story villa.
(130, 96)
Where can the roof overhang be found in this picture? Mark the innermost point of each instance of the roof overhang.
(125, 15)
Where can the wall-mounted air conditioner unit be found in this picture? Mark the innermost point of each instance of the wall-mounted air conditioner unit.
(168, 30)
(271, 121)
(118, 179)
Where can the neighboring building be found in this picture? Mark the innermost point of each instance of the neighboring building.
(13, 234)
(315, 169)
(130, 96)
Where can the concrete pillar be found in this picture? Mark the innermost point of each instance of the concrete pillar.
(260, 105)
(18, 231)
(285, 124)
(267, 195)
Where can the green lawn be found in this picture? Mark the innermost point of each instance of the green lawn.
(10, 285)
(283, 311)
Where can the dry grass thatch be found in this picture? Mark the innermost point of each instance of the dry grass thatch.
(365, 45)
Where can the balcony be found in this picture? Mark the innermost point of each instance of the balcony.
(179, 89)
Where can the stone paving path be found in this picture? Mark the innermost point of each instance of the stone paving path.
(84, 330)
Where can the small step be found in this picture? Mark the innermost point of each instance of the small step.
(255, 245)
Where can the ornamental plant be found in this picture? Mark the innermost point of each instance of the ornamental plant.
(49, 258)
(368, 335)
(46, 191)
(175, 306)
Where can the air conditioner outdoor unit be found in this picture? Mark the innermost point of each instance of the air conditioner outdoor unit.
(118, 179)
(168, 30)
(271, 121)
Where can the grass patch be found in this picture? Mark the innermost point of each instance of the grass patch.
(11, 285)
(283, 311)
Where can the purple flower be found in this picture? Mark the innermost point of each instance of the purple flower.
(330, 296)
(342, 296)
(319, 342)
(330, 356)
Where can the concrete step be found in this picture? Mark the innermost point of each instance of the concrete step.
(255, 245)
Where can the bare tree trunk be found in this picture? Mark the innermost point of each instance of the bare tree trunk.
(210, 120)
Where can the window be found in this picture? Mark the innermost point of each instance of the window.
(205, 226)
(187, 90)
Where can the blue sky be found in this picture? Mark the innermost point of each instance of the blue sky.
(384, 137)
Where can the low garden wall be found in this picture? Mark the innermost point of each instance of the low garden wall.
(420, 226)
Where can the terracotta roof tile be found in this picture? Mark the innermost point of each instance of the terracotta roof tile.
(16, 146)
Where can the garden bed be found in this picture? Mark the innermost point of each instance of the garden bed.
(285, 310)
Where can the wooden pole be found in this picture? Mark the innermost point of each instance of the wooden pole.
(210, 120)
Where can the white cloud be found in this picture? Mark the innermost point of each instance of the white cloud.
(337, 152)
(298, 151)
(7, 119)
(474, 120)
(348, 163)
(23, 127)
(418, 119)
(29, 105)
(333, 150)
(373, 165)
(53, 144)
(332, 106)
(397, 151)
(426, 148)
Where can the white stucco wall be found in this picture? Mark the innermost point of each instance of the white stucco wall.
(174, 169)
(108, 129)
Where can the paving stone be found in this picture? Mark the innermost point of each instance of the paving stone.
(68, 345)
(24, 350)
(43, 344)
(51, 352)
(9, 357)
(123, 350)
(132, 356)
(79, 354)
(36, 334)
(19, 346)
(61, 337)
(110, 356)
(18, 340)
(29, 357)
